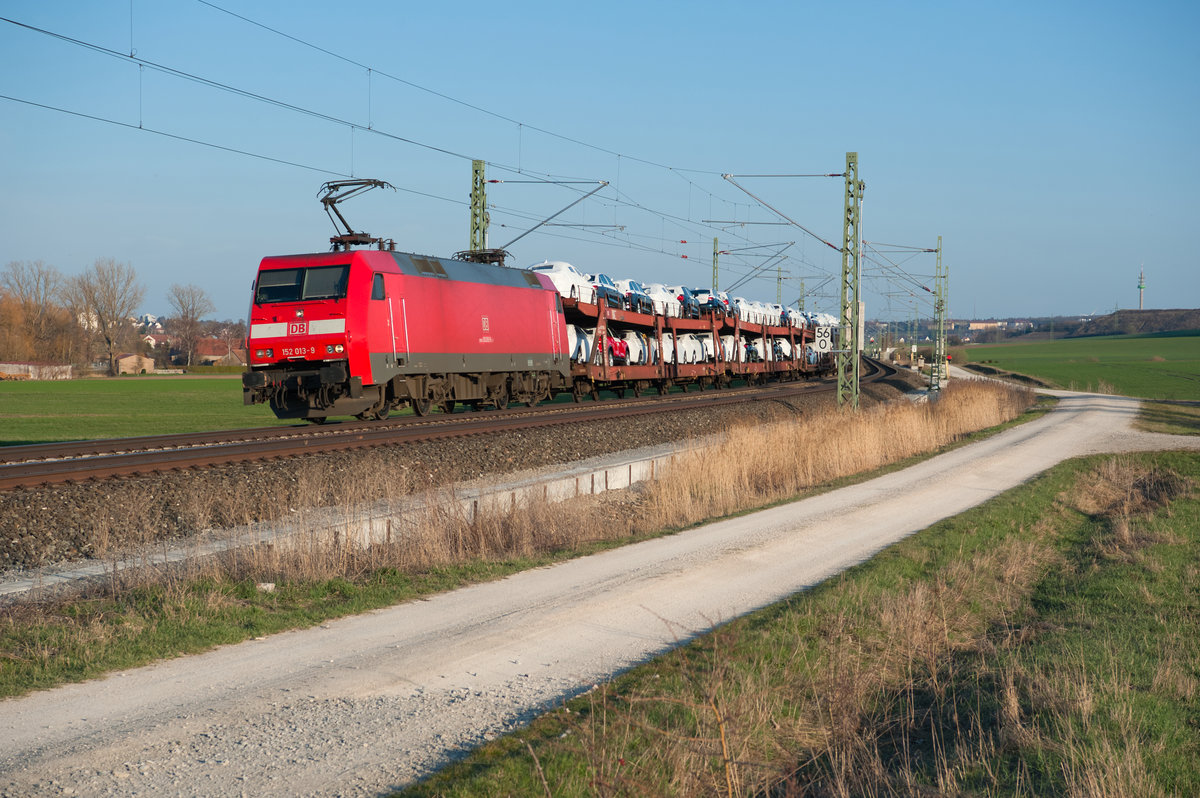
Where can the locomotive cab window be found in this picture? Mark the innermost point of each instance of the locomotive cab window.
(377, 287)
(297, 285)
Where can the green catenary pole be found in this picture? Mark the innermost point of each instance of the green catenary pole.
(937, 369)
(714, 265)
(479, 215)
(847, 356)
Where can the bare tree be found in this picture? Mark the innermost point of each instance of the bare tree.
(233, 333)
(190, 302)
(34, 287)
(103, 299)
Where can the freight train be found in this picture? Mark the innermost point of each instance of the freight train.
(365, 332)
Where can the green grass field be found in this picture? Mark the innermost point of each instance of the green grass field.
(1159, 366)
(36, 412)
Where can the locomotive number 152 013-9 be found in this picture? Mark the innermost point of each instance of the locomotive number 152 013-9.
(295, 351)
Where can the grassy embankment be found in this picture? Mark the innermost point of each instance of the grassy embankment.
(144, 615)
(1161, 367)
(40, 412)
(122, 407)
(1045, 643)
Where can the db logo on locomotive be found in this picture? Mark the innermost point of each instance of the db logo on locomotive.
(298, 328)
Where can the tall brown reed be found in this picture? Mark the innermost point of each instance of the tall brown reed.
(756, 465)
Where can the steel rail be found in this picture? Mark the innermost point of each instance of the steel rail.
(28, 453)
(47, 464)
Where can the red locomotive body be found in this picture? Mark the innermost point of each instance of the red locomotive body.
(361, 332)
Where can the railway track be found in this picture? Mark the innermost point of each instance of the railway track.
(56, 463)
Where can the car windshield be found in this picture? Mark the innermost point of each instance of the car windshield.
(297, 285)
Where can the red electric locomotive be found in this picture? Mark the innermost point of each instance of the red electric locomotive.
(364, 331)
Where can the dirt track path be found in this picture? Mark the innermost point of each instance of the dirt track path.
(369, 703)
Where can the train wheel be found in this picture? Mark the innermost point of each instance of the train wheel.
(382, 412)
(422, 406)
(501, 400)
(637, 390)
(317, 420)
(620, 392)
(447, 406)
(662, 389)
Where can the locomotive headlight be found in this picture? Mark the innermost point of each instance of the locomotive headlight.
(334, 348)
(264, 352)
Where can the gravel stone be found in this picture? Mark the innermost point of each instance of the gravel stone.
(62, 523)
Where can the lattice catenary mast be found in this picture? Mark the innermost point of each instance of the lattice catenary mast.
(847, 356)
(479, 214)
(937, 371)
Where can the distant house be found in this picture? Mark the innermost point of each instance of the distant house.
(215, 352)
(157, 340)
(236, 357)
(130, 363)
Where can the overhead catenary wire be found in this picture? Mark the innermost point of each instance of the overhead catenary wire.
(614, 234)
(521, 125)
(175, 136)
(178, 73)
(549, 179)
(783, 215)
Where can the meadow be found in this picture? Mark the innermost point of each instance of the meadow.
(1157, 366)
(37, 412)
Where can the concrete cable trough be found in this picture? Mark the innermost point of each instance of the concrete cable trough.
(377, 523)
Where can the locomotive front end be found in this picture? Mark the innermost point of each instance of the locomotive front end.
(299, 344)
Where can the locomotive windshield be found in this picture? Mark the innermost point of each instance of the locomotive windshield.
(296, 285)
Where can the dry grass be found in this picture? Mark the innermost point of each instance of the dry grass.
(755, 465)
(1119, 492)
(762, 464)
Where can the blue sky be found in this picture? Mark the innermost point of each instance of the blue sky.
(1053, 146)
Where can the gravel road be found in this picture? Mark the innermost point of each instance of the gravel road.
(366, 704)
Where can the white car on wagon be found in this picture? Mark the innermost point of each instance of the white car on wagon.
(567, 280)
